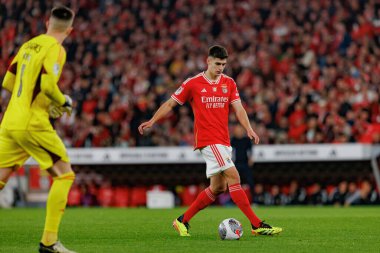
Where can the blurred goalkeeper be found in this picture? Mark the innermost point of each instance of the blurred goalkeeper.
(210, 94)
(26, 130)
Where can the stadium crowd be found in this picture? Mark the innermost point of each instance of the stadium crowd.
(307, 71)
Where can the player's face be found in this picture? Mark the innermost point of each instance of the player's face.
(216, 65)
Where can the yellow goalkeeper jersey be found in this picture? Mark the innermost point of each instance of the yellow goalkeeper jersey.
(32, 79)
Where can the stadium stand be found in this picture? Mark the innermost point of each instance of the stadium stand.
(307, 71)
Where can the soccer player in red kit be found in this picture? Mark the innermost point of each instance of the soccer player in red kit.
(210, 95)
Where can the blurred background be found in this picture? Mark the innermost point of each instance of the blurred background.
(308, 73)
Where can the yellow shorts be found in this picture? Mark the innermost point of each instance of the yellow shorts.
(44, 146)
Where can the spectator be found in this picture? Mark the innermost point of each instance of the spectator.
(259, 195)
(353, 194)
(276, 197)
(297, 195)
(242, 156)
(318, 195)
(338, 196)
(365, 195)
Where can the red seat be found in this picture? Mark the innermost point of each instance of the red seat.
(104, 196)
(121, 197)
(330, 189)
(74, 196)
(189, 194)
(285, 190)
(138, 196)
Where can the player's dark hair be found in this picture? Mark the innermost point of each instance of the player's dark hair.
(62, 13)
(218, 52)
(61, 18)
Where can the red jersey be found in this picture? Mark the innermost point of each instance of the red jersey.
(210, 101)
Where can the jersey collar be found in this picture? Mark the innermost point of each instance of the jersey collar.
(209, 81)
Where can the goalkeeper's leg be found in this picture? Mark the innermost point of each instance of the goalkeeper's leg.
(5, 173)
(63, 178)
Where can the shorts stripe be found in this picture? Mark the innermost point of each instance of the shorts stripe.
(217, 155)
(218, 158)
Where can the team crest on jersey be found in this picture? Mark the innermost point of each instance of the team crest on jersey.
(56, 69)
(178, 91)
(224, 89)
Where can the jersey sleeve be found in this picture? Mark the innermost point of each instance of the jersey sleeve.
(182, 94)
(9, 78)
(52, 69)
(234, 95)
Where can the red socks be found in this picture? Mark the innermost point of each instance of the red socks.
(240, 198)
(204, 199)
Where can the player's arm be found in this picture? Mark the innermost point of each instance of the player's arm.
(6, 88)
(52, 69)
(242, 116)
(10, 75)
(164, 109)
(9, 81)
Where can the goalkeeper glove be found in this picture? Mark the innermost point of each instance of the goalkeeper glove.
(55, 111)
(68, 105)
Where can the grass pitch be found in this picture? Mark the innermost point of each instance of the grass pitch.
(306, 229)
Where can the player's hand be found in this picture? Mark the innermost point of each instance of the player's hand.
(253, 136)
(68, 105)
(55, 111)
(145, 125)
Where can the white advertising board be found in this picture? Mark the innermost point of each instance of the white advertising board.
(262, 153)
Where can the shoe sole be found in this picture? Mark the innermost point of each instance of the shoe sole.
(258, 234)
(175, 226)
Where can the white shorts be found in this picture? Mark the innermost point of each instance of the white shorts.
(218, 158)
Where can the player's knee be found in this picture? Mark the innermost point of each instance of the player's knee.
(219, 189)
(66, 176)
(232, 176)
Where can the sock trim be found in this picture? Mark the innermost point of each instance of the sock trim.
(210, 194)
(234, 187)
(66, 176)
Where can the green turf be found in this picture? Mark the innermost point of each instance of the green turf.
(306, 229)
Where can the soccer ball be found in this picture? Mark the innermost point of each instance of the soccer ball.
(230, 229)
